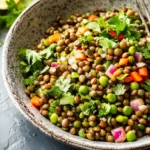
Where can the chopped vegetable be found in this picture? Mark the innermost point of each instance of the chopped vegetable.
(119, 89)
(122, 76)
(135, 76)
(118, 72)
(79, 55)
(123, 61)
(138, 57)
(110, 71)
(93, 26)
(105, 109)
(143, 72)
(35, 101)
(128, 79)
(92, 18)
(136, 103)
(54, 38)
(67, 99)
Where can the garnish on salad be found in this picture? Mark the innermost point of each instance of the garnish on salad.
(90, 75)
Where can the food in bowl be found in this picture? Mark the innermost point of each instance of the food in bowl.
(90, 75)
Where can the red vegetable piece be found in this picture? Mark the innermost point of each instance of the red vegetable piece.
(112, 33)
(120, 37)
(136, 77)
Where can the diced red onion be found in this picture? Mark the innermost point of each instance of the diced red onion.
(52, 69)
(74, 66)
(119, 134)
(143, 108)
(54, 64)
(138, 57)
(72, 60)
(110, 71)
(136, 103)
(140, 64)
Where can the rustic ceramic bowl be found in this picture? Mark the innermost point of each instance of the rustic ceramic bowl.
(27, 31)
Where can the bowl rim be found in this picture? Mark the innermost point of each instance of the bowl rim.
(87, 144)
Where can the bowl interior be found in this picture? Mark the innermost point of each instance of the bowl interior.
(27, 32)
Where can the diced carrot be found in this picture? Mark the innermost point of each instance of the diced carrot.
(82, 30)
(92, 17)
(123, 61)
(143, 72)
(54, 38)
(136, 77)
(35, 101)
(118, 72)
(103, 124)
(128, 79)
(79, 55)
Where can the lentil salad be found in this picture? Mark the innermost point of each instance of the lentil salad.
(90, 75)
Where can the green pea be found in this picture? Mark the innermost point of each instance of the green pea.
(83, 89)
(54, 118)
(132, 50)
(134, 86)
(144, 116)
(74, 75)
(81, 116)
(81, 133)
(130, 136)
(103, 80)
(131, 59)
(120, 118)
(127, 110)
(111, 98)
(46, 42)
(113, 109)
(77, 124)
(141, 127)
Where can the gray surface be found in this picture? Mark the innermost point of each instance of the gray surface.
(16, 133)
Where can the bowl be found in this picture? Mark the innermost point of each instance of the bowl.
(27, 30)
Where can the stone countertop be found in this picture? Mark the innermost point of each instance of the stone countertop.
(16, 132)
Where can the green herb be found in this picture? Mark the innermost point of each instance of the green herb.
(45, 69)
(88, 108)
(30, 80)
(101, 22)
(105, 43)
(145, 50)
(86, 39)
(52, 108)
(119, 89)
(61, 86)
(107, 64)
(85, 97)
(67, 99)
(130, 34)
(147, 85)
(122, 76)
(48, 52)
(104, 109)
(93, 26)
(12, 12)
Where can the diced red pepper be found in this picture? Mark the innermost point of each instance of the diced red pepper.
(123, 61)
(120, 37)
(143, 72)
(118, 72)
(128, 79)
(79, 55)
(35, 101)
(136, 77)
(112, 33)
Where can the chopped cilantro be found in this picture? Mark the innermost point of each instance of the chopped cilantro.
(93, 26)
(88, 108)
(119, 89)
(147, 85)
(86, 39)
(48, 52)
(104, 109)
(105, 43)
(67, 99)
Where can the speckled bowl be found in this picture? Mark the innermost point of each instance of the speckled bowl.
(27, 31)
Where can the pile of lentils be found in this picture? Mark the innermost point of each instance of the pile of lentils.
(93, 87)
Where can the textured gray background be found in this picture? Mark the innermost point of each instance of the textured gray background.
(16, 133)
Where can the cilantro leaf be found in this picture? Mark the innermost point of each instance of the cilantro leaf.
(147, 85)
(105, 43)
(119, 89)
(30, 80)
(67, 99)
(63, 84)
(48, 52)
(45, 69)
(93, 26)
(85, 97)
(122, 76)
(88, 108)
(24, 67)
(104, 109)
(54, 91)
(101, 22)
(86, 39)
